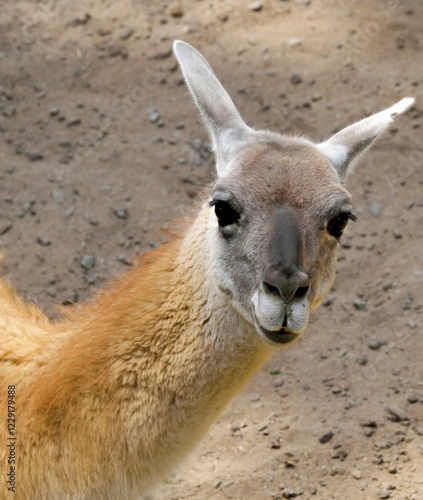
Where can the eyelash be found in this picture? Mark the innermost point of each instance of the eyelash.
(335, 227)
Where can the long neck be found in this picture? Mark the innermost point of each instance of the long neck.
(149, 365)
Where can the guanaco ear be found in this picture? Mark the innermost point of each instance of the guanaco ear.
(346, 145)
(223, 121)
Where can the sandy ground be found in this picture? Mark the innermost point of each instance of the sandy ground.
(101, 147)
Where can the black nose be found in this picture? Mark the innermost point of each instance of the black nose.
(287, 282)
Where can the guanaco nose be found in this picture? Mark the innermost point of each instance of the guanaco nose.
(284, 273)
(288, 283)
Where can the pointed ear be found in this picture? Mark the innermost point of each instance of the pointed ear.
(345, 146)
(223, 121)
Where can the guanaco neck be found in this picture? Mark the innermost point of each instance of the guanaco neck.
(150, 363)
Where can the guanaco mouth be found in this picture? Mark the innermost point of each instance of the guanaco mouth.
(282, 336)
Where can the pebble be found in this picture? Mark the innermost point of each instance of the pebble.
(57, 196)
(339, 455)
(396, 414)
(196, 144)
(356, 474)
(362, 360)
(397, 233)
(376, 344)
(88, 262)
(375, 209)
(54, 111)
(116, 49)
(176, 10)
(288, 493)
(34, 155)
(126, 33)
(5, 228)
(43, 241)
(38, 87)
(255, 6)
(278, 382)
(383, 494)
(154, 116)
(294, 42)
(121, 213)
(303, 2)
(326, 437)
(360, 304)
(73, 121)
(9, 111)
(412, 398)
(296, 79)
(80, 20)
(368, 423)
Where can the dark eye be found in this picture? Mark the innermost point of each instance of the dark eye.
(337, 225)
(226, 215)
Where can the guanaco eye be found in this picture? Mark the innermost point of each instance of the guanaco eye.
(226, 215)
(337, 224)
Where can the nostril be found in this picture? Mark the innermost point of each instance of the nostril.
(271, 289)
(301, 292)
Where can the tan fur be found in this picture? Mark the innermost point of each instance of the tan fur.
(109, 398)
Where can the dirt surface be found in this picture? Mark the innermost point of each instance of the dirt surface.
(101, 147)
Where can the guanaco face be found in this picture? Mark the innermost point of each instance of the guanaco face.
(278, 208)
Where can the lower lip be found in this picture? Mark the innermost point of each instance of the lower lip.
(281, 337)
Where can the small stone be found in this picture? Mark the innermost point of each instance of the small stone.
(154, 117)
(326, 437)
(121, 213)
(339, 455)
(375, 344)
(276, 444)
(197, 144)
(126, 33)
(360, 304)
(397, 234)
(163, 54)
(362, 360)
(375, 209)
(356, 474)
(34, 155)
(38, 87)
(383, 494)
(278, 382)
(43, 241)
(288, 493)
(9, 111)
(73, 121)
(408, 303)
(255, 6)
(176, 10)
(296, 79)
(116, 49)
(255, 397)
(57, 196)
(396, 414)
(88, 262)
(368, 423)
(294, 42)
(80, 20)
(303, 2)
(412, 398)
(54, 111)
(5, 228)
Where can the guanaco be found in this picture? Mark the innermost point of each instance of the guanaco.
(102, 403)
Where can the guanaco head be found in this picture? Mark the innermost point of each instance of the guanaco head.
(278, 207)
